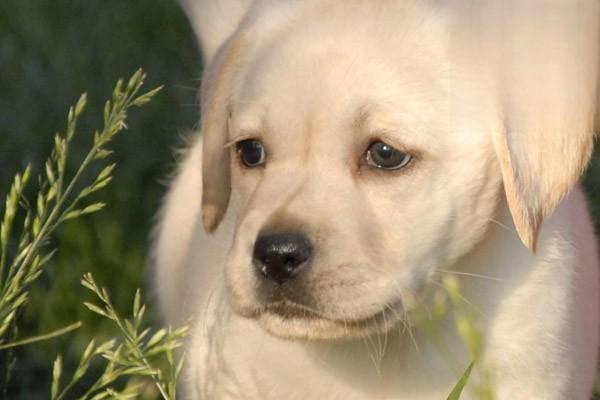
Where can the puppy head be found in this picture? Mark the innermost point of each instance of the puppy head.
(363, 150)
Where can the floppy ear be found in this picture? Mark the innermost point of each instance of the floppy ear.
(217, 88)
(550, 79)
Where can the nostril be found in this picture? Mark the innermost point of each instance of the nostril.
(280, 257)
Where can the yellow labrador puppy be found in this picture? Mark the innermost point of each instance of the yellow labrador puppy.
(355, 152)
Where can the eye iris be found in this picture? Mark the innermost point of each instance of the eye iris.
(381, 155)
(252, 152)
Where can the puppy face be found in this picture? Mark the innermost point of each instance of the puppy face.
(347, 153)
(360, 146)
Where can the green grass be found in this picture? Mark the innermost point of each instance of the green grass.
(50, 52)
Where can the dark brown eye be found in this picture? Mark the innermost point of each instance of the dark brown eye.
(383, 156)
(251, 152)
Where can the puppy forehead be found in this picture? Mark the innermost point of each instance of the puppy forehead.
(315, 73)
(330, 86)
(322, 54)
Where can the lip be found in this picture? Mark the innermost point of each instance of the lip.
(290, 320)
(290, 309)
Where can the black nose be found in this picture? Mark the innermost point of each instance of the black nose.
(280, 257)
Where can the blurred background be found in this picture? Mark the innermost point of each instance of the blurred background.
(50, 52)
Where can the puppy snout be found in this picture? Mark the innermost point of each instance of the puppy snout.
(282, 256)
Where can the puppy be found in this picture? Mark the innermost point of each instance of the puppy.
(354, 153)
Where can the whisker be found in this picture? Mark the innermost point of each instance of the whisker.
(463, 298)
(185, 87)
(470, 274)
(500, 224)
(409, 329)
(385, 334)
(371, 349)
(406, 322)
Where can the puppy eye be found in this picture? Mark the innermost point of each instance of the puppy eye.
(251, 152)
(383, 156)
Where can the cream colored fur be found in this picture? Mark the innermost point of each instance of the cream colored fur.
(497, 105)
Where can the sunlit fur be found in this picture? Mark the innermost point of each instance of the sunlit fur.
(456, 84)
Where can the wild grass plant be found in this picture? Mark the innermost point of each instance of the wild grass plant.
(25, 250)
(126, 356)
(465, 318)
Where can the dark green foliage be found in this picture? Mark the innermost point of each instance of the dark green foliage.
(50, 52)
(592, 186)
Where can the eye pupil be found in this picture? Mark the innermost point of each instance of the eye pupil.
(384, 156)
(385, 152)
(251, 152)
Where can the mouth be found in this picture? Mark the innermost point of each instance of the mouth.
(290, 320)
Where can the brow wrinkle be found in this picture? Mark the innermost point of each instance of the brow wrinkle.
(362, 116)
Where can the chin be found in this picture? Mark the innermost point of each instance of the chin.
(292, 321)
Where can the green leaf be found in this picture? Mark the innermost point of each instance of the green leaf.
(47, 257)
(52, 191)
(72, 215)
(146, 97)
(60, 149)
(469, 334)
(50, 173)
(26, 174)
(130, 328)
(107, 107)
(71, 116)
(97, 310)
(157, 337)
(458, 389)
(140, 370)
(36, 226)
(101, 396)
(136, 303)
(6, 322)
(101, 154)
(179, 367)
(19, 301)
(135, 80)
(93, 208)
(97, 139)
(41, 338)
(81, 103)
(104, 347)
(107, 171)
(87, 210)
(89, 351)
(119, 89)
(140, 315)
(143, 334)
(41, 204)
(56, 373)
(88, 282)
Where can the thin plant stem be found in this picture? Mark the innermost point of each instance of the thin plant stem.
(41, 338)
(133, 343)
